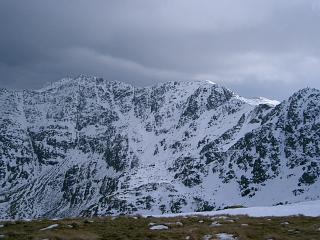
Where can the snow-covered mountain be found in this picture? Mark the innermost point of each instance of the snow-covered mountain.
(87, 146)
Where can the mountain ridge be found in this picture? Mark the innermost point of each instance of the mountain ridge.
(84, 79)
(105, 147)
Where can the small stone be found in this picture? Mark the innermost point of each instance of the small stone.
(230, 220)
(225, 236)
(207, 237)
(285, 223)
(49, 227)
(244, 225)
(201, 221)
(159, 227)
(179, 224)
(294, 231)
(187, 237)
(215, 224)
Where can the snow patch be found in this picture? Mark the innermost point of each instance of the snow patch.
(258, 101)
(310, 208)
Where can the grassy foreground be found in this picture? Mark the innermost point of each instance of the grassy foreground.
(192, 227)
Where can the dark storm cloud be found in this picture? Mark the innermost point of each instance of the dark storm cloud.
(266, 47)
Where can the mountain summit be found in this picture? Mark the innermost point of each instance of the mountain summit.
(86, 146)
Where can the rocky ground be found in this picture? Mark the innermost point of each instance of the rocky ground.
(223, 227)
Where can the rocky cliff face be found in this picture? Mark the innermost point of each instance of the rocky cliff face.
(87, 146)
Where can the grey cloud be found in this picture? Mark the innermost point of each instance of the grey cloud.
(248, 45)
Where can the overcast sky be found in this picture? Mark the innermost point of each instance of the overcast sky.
(265, 48)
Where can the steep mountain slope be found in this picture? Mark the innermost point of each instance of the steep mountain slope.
(87, 146)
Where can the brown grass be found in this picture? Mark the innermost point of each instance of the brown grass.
(126, 227)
